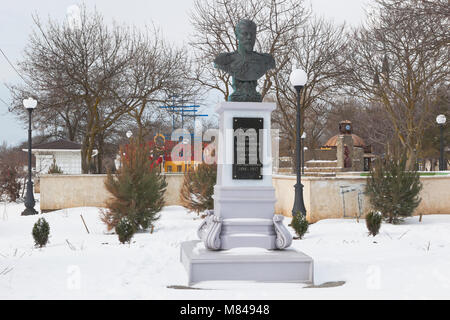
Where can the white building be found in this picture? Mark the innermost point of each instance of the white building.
(67, 156)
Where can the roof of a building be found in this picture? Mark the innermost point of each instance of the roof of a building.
(357, 141)
(58, 145)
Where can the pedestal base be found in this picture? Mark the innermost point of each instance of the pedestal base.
(29, 212)
(244, 217)
(245, 264)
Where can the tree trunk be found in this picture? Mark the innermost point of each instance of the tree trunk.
(101, 148)
(411, 155)
(141, 131)
(86, 153)
(84, 162)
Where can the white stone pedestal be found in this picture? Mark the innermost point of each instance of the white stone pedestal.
(243, 215)
(260, 265)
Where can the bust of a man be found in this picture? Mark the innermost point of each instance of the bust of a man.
(245, 65)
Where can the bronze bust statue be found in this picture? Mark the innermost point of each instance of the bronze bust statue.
(245, 65)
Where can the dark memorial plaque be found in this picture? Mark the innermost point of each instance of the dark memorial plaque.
(246, 162)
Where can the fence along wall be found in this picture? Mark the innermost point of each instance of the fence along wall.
(325, 197)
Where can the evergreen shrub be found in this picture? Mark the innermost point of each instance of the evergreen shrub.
(41, 231)
(125, 230)
(198, 188)
(393, 190)
(137, 190)
(373, 222)
(299, 224)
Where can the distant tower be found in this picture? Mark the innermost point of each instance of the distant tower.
(345, 127)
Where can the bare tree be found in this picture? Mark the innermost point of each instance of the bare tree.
(392, 63)
(91, 80)
(76, 68)
(435, 12)
(431, 139)
(215, 21)
(315, 125)
(319, 52)
(157, 70)
(56, 116)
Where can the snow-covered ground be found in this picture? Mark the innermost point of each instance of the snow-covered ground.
(411, 260)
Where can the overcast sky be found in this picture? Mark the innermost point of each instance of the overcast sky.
(172, 16)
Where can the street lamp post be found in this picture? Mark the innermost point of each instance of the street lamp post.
(303, 159)
(298, 80)
(29, 104)
(440, 119)
(303, 152)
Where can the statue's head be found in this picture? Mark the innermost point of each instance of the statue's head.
(246, 35)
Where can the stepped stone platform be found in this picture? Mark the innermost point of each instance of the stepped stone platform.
(245, 264)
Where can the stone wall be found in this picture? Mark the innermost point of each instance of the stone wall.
(342, 196)
(318, 154)
(174, 184)
(324, 197)
(68, 191)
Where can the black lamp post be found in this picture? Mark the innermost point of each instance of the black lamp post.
(29, 104)
(298, 80)
(440, 119)
(303, 152)
(303, 158)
